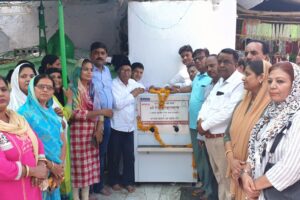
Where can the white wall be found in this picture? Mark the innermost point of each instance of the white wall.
(19, 23)
(84, 23)
(158, 29)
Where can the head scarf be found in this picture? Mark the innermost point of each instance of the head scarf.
(17, 97)
(84, 99)
(280, 113)
(45, 122)
(243, 120)
(17, 125)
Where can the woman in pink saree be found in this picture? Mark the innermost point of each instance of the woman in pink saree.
(22, 158)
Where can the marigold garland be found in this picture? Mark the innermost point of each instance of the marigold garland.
(161, 98)
(195, 174)
(153, 128)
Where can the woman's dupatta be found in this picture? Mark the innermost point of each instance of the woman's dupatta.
(244, 118)
(19, 126)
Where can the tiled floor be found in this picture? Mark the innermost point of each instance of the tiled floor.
(146, 191)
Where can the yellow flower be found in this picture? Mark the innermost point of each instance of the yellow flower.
(162, 96)
(152, 128)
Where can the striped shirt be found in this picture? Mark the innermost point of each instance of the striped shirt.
(286, 157)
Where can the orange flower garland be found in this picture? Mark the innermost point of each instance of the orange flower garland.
(162, 98)
(151, 128)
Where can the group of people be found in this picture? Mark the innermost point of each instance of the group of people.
(38, 160)
(243, 123)
(243, 126)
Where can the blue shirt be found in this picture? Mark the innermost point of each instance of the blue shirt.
(103, 82)
(197, 97)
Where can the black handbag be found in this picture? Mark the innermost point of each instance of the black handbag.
(271, 193)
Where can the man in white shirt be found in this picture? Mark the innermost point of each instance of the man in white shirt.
(182, 78)
(207, 177)
(216, 113)
(121, 141)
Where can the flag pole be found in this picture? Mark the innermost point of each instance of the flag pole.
(62, 43)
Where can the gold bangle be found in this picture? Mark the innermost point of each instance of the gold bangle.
(227, 152)
(42, 159)
(27, 170)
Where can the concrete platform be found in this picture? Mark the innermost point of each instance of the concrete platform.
(146, 191)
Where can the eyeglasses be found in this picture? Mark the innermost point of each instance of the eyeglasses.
(43, 87)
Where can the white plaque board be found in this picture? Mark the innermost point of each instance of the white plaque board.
(175, 110)
(153, 163)
(172, 121)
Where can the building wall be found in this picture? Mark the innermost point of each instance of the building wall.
(85, 22)
(158, 29)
